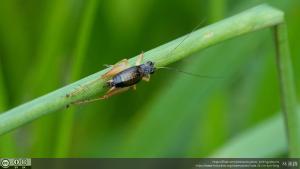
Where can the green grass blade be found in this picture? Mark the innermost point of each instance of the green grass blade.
(17, 49)
(65, 132)
(7, 143)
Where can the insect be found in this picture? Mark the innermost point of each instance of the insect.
(121, 77)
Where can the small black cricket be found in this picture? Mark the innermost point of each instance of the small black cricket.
(123, 77)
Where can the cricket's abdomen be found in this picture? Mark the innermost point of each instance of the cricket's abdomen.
(127, 77)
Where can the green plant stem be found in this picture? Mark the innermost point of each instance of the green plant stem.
(251, 20)
(287, 89)
(64, 134)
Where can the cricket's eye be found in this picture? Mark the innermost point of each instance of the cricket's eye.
(152, 70)
(150, 63)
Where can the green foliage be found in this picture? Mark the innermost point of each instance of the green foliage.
(45, 45)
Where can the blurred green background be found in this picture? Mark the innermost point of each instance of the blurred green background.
(47, 44)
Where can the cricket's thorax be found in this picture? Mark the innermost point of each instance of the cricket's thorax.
(127, 77)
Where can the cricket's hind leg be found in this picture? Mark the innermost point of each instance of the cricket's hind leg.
(112, 91)
(115, 69)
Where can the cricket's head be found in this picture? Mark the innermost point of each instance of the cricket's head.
(148, 67)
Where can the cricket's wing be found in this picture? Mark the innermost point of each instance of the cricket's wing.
(117, 68)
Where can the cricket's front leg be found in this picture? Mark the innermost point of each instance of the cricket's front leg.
(146, 78)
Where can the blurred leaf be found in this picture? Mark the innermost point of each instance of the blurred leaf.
(44, 75)
(265, 140)
(17, 49)
(66, 124)
(7, 142)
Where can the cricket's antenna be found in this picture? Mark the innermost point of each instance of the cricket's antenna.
(188, 73)
(191, 74)
(188, 35)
